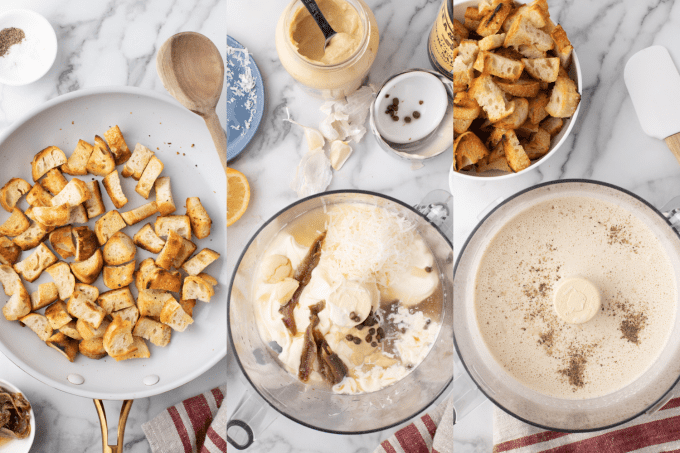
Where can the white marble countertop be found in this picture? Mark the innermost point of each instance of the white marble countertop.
(271, 158)
(607, 142)
(104, 42)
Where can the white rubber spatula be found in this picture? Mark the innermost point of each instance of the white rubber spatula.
(654, 86)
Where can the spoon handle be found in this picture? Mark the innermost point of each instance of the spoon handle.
(218, 136)
(320, 20)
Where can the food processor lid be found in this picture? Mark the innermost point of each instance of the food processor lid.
(648, 391)
(334, 419)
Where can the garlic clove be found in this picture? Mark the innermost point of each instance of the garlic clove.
(340, 152)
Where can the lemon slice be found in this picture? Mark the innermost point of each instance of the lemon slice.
(238, 195)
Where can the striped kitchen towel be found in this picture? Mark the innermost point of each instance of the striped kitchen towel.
(430, 433)
(659, 432)
(196, 425)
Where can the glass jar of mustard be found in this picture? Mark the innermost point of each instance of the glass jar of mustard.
(339, 69)
(440, 41)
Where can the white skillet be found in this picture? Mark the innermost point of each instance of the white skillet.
(157, 121)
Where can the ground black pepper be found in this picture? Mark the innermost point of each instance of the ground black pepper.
(9, 37)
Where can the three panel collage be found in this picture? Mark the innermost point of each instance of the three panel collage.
(450, 225)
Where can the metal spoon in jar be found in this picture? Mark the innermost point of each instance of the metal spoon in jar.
(320, 20)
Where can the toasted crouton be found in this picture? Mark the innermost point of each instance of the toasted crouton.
(128, 314)
(38, 324)
(165, 280)
(538, 146)
(199, 218)
(524, 32)
(77, 214)
(46, 160)
(12, 192)
(138, 162)
(563, 47)
(95, 204)
(200, 261)
(514, 152)
(493, 20)
(62, 242)
(468, 149)
(88, 331)
(31, 237)
(564, 98)
(164, 201)
(545, 69)
(57, 314)
(90, 292)
(174, 316)
(93, 348)
(9, 251)
(86, 242)
(551, 125)
(150, 302)
(115, 300)
(463, 65)
(185, 251)
(118, 276)
(18, 305)
(141, 350)
(502, 67)
(119, 249)
(119, 149)
(63, 278)
(491, 42)
(188, 306)
(73, 194)
(157, 333)
(101, 162)
(68, 347)
(147, 239)
(31, 267)
(537, 108)
(525, 88)
(472, 18)
(54, 182)
(142, 274)
(151, 172)
(52, 216)
(195, 287)
(530, 51)
(16, 224)
(71, 331)
(77, 163)
(138, 214)
(108, 225)
(10, 279)
(118, 338)
(112, 185)
(490, 98)
(459, 33)
(518, 117)
(80, 307)
(87, 271)
(38, 196)
(171, 249)
(180, 224)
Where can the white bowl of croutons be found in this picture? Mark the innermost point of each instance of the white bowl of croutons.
(517, 84)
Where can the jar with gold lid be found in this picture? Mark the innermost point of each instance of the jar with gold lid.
(440, 41)
(342, 67)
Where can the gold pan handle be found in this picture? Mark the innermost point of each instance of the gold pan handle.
(124, 411)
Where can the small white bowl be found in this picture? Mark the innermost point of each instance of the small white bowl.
(556, 142)
(29, 60)
(18, 445)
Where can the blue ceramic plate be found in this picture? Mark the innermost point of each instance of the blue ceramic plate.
(244, 107)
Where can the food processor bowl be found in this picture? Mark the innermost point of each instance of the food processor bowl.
(316, 406)
(647, 393)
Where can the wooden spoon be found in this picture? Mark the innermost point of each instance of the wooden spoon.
(192, 70)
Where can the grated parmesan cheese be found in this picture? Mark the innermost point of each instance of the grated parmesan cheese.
(244, 88)
(368, 243)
